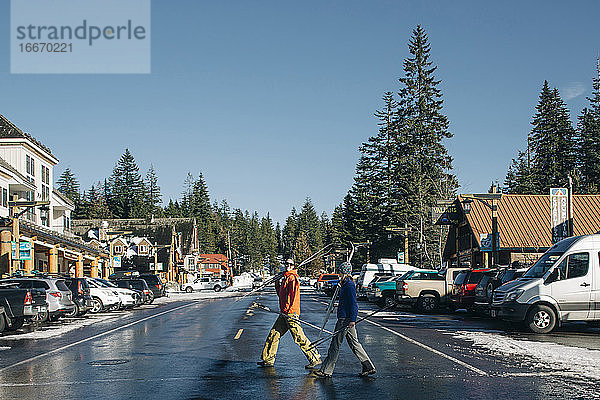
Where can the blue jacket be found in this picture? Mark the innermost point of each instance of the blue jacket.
(348, 306)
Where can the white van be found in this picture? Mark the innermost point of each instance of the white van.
(563, 285)
(369, 271)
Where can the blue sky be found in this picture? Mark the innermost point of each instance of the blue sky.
(270, 100)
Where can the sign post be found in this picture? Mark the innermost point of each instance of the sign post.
(559, 213)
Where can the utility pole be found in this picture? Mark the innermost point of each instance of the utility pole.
(570, 207)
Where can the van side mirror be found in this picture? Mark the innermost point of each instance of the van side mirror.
(553, 277)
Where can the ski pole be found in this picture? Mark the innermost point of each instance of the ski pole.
(265, 308)
(279, 275)
(319, 341)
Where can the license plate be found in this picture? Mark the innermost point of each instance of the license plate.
(493, 313)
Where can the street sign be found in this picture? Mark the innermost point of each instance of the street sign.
(13, 251)
(396, 229)
(559, 214)
(25, 203)
(485, 239)
(116, 262)
(25, 250)
(400, 257)
(444, 213)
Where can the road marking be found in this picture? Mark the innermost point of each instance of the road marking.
(94, 337)
(424, 346)
(238, 334)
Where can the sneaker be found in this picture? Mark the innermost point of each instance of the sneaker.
(319, 374)
(264, 364)
(313, 364)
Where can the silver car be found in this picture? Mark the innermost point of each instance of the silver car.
(58, 295)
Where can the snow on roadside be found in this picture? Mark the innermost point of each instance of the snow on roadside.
(51, 330)
(571, 361)
(4, 348)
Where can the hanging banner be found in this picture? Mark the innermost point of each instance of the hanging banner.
(559, 213)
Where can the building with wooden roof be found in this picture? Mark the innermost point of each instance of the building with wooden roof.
(524, 228)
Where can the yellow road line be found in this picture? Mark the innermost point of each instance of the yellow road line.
(238, 334)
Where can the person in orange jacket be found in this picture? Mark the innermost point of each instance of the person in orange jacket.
(288, 291)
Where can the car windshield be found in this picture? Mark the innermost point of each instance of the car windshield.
(475, 277)
(106, 283)
(460, 278)
(329, 277)
(543, 264)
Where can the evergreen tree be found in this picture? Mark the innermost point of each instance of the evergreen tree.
(127, 190)
(552, 142)
(422, 164)
(302, 251)
(68, 185)
(589, 128)
(154, 197)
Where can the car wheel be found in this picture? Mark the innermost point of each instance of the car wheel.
(189, 289)
(40, 317)
(74, 313)
(151, 298)
(389, 301)
(15, 324)
(54, 318)
(541, 319)
(2, 323)
(217, 288)
(427, 303)
(97, 305)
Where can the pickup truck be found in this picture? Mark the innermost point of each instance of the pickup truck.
(17, 304)
(426, 290)
(383, 291)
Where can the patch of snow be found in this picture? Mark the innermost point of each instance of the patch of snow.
(4, 348)
(65, 325)
(572, 361)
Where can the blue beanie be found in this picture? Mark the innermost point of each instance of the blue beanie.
(346, 268)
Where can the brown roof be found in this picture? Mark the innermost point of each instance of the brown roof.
(524, 221)
(10, 130)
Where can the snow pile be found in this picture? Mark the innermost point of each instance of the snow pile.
(62, 327)
(574, 361)
(4, 348)
(206, 294)
(243, 281)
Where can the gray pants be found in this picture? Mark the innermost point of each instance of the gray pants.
(336, 342)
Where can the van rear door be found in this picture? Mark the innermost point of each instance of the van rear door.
(573, 291)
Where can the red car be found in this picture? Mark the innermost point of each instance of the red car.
(463, 293)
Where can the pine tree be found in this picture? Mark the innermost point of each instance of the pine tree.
(589, 130)
(422, 164)
(302, 251)
(552, 142)
(127, 188)
(68, 185)
(154, 198)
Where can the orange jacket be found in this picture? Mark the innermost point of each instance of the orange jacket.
(288, 290)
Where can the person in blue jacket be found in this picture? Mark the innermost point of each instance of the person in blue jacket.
(347, 312)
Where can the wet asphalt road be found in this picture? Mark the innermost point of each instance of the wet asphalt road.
(189, 350)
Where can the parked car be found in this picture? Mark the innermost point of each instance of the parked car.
(463, 293)
(58, 295)
(103, 299)
(489, 282)
(206, 283)
(324, 278)
(559, 287)
(81, 296)
(427, 290)
(155, 285)
(257, 282)
(329, 287)
(383, 291)
(369, 271)
(18, 305)
(127, 298)
(139, 285)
